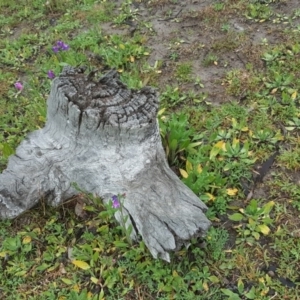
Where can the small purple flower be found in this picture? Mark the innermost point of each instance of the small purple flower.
(115, 202)
(59, 44)
(19, 86)
(55, 49)
(65, 47)
(51, 74)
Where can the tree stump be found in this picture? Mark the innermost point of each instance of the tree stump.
(105, 138)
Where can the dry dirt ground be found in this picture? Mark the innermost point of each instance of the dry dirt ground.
(196, 32)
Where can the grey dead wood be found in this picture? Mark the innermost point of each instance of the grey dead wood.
(105, 138)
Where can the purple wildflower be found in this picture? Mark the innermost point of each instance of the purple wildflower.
(115, 202)
(51, 74)
(19, 86)
(55, 49)
(59, 44)
(65, 47)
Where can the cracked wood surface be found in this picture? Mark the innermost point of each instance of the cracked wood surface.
(105, 138)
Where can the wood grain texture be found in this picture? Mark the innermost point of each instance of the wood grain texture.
(104, 137)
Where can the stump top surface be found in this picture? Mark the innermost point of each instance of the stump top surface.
(108, 97)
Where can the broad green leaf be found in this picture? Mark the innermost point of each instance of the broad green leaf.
(268, 207)
(53, 267)
(234, 122)
(233, 207)
(183, 173)
(269, 280)
(101, 295)
(43, 267)
(193, 145)
(264, 229)
(227, 167)
(63, 64)
(7, 150)
(236, 217)
(67, 281)
(12, 243)
(235, 143)
(173, 144)
(20, 273)
(232, 295)
(251, 222)
(214, 279)
(247, 232)
(89, 208)
(256, 235)
(120, 244)
(81, 264)
(110, 281)
(251, 294)
(240, 286)
(216, 149)
(251, 208)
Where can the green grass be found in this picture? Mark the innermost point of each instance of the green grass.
(252, 249)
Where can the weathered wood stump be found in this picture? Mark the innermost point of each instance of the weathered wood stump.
(105, 138)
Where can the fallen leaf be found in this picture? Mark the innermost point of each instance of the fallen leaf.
(76, 288)
(232, 192)
(94, 280)
(264, 229)
(3, 254)
(81, 264)
(199, 169)
(79, 209)
(183, 173)
(26, 240)
(188, 165)
(210, 196)
(205, 286)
